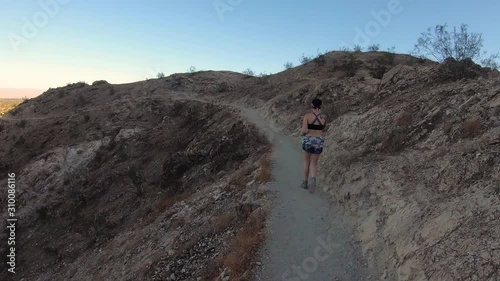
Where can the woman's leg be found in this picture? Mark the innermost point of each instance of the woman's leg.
(307, 163)
(314, 171)
(314, 164)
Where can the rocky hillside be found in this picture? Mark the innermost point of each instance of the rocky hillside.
(412, 153)
(125, 174)
(115, 183)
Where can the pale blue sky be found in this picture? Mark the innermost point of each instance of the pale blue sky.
(125, 41)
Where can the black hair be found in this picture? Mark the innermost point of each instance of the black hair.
(317, 103)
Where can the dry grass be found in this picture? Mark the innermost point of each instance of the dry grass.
(222, 222)
(246, 244)
(168, 201)
(264, 175)
(211, 270)
(240, 177)
(471, 128)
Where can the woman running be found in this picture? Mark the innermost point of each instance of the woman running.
(312, 143)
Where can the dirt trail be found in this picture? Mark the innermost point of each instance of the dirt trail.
(307, 238)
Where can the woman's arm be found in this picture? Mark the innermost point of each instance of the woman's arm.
(304, 129)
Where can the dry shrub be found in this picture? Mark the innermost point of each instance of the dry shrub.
(453, 70)
(264, 175)
(222, 222)
(404, 119)
(394, 142)
(378, 71)
(239, 178)
(211, 270)
(246, 244)
(471, 128)
(168, 201)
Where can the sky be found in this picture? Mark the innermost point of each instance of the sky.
(50, 43)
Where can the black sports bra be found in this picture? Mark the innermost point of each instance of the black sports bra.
(317, 127)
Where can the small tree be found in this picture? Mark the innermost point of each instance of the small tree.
(358, 48)
(374, 48)
(249, 72)
(459, 44)
(288, 65)
(160, 75)
(192, 69)
(443, 44)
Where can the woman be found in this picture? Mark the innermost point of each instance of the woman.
(312, 143)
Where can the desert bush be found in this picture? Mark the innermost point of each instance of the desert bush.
(459, 44)
(160, 75)
(378, 71)
(80, 84)
(454, 70)
(288, 65)
(222, 222)
(358, 49)
(168, 200)
(222, 87)
(264, 175)
(192, 69)
(211, 270)
(100, 82)
(391, 50)
(351, 66)
(374, 48)
(239, 178)
(345, 49)
(491, 62)
(249, 72)
(245, 245)
(320, 59)
(471, 128)
(264, 78)
(305, 59)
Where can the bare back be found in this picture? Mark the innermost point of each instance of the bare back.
(312, 118)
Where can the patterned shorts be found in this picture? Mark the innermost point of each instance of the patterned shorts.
(313, 144)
